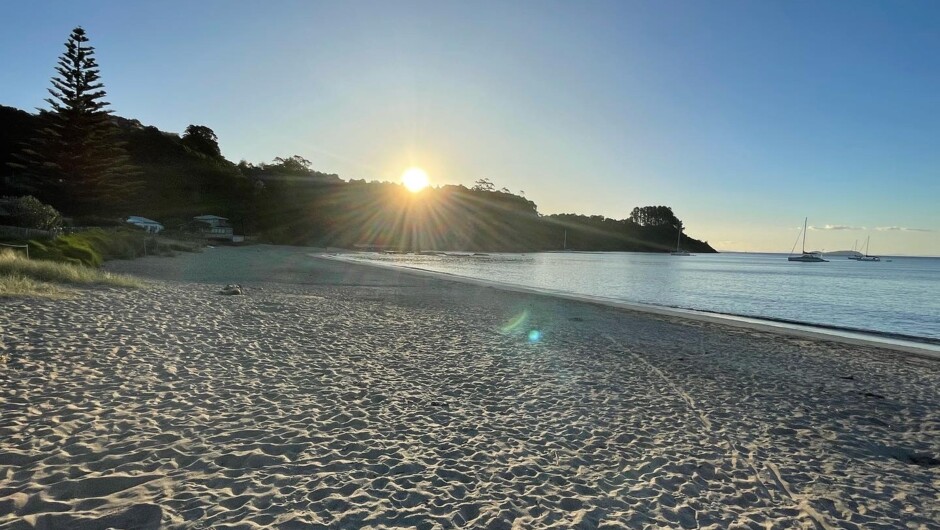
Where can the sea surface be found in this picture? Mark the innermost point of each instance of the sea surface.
(898, 298)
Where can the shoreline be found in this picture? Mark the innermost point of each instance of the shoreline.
(338, 395)
(923, 347)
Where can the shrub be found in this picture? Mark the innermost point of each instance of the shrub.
(29, 212)
(48, 250)
(80, 248)
(113, 244)
(91, 247)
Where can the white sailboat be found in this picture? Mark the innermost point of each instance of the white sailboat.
(854, 254)
(806, 257)
(866, 257)
(679, 251)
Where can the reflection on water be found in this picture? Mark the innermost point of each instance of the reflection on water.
(901, 296)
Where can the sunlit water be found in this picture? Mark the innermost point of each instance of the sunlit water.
(897, 297)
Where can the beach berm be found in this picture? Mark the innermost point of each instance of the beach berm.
(335, 395)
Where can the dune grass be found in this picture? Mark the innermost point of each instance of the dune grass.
(18, 285)
(30, 277)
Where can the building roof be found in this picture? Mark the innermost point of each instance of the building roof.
(210, 217)
(136, 219)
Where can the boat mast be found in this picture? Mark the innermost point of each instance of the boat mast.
(679, 239)
(564, 245)
(804, 234)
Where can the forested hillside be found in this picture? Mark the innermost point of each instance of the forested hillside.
(178, 176)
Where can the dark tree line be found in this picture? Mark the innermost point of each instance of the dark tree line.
(94, 166)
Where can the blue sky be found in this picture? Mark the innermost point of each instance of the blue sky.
(743, 116)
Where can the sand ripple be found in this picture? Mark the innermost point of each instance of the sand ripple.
(382, 407)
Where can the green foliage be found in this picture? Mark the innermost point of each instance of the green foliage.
(29, 212)
(65, 250)
(79, 247)
(51, 251)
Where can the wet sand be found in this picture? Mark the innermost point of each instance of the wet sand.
(333, 395)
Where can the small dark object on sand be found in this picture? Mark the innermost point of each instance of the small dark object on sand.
(232, 288)
(922, 460)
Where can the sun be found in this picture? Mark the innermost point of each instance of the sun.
(415, 179)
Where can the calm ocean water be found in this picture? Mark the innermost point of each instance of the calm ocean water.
(900, 297)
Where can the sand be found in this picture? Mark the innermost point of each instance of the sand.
(342, 396)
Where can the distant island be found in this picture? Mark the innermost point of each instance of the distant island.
(99, 169)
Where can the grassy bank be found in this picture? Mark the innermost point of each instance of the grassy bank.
(34, 277)
(93, 247)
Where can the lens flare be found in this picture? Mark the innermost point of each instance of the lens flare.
(516, 322)
(535, 336)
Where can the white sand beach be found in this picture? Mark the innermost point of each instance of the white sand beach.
(333, 395)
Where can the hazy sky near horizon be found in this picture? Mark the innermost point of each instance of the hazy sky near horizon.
(743, 116)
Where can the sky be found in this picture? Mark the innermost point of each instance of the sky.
(744, 117)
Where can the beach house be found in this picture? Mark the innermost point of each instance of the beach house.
(214, 227)
(149, 225)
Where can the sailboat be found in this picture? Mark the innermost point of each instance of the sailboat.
(866, 257)
(806, 257)
(854, 254)
(679, 251)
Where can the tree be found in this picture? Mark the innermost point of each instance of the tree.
(203, 140)
(295, 165)
(655, 216)
(75, 161)
(484, 185)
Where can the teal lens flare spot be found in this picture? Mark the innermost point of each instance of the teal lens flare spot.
(535, 335)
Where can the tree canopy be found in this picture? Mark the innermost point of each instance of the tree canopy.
(655, 216)
(202, 139)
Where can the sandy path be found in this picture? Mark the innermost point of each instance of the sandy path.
(336, 396)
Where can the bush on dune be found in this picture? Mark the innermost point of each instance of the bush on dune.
(93, 247)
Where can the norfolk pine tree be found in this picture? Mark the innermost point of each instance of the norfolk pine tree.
(76, 162)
